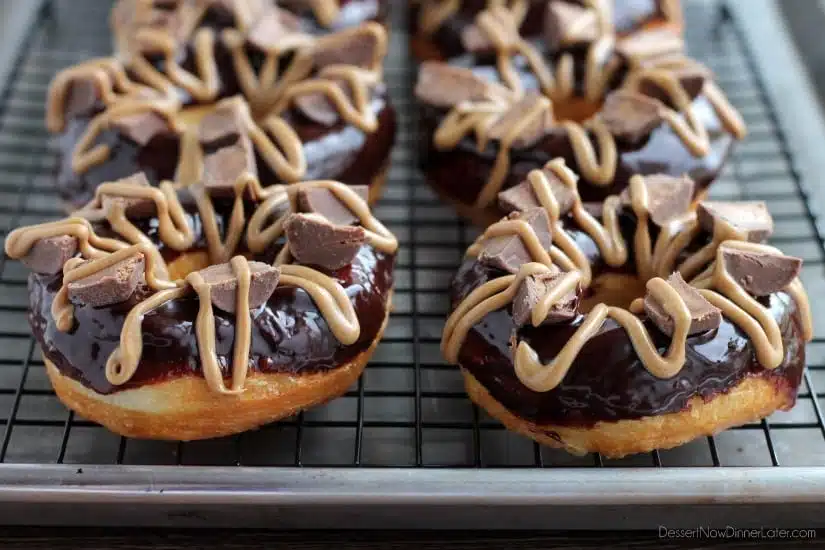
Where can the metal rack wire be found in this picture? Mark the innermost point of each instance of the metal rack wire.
(409, 408)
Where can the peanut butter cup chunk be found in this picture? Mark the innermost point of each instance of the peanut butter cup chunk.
(109, 286)
(360, 47)
(528, 133)
(81, 97)
(508, 252)
(318, 107)
(446, 86)
(667, 197)
(223, 284)
(704, 316)
(691, 76)
(226, 119)
(566, 24)
(141, 127)
(647, 46)
(314, 240)
(319, 200)
(522, 197)
(133, 207)
(48, 255)
(475, 40)
(750, 219)
(228, 150)
(276, 30)
(533, 289)
(760, 273)
(631, 117)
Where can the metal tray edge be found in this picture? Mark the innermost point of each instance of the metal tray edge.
(187, 495)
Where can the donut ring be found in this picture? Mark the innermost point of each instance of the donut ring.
(312, 96)
(438, 27)
(581, 332)
(171, 313)
(612, 109)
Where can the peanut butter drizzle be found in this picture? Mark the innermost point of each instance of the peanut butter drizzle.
(203, 87)
(260, 234)
(21, 240)
(86, 154)
(262, 90)
(75, 269)
(715, 284)
(110, 79)
(559, 85)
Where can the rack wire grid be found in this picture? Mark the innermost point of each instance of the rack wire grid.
(409, 408)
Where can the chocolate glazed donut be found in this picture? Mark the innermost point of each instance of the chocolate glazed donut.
(316, 103)
(610, 109)
(139, 336)
(443, 30)
(553, 342)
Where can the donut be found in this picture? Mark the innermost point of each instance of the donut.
(640, 325)
(611, 109)
(445, 29)
(176, 312)
(312, 99)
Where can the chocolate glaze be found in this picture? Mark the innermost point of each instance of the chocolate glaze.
(340, 152)
(607, 381)
(460, 173)
(628, 16)
(289, 334)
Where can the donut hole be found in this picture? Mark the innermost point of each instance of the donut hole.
(575, 109)
(186, 263)
(613, 289)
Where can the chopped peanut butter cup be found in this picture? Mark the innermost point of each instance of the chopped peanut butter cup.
(644, 46)
(514, 119)
(223, 284)
(142, 127)
(319, 200)
(359, 47)
(133, 207)
(631, 117)
(314, 240)
(760, 272)
(533, 289)
(82, 97)
(446, 86)
(522, 197)
(691, 75)
(750, 219)
(318, 107)
(667, 197)
(566, 24)
(48, 255)
(508, 252)
(228, 118)
(704, 316)
(111, 285)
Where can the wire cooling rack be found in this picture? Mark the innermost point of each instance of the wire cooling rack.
(409, 409)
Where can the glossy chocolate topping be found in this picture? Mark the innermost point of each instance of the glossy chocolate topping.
(289, 334)
(462, 172)
(607, 381)
(340, 152)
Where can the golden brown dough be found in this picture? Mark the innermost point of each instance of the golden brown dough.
(750, 400)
